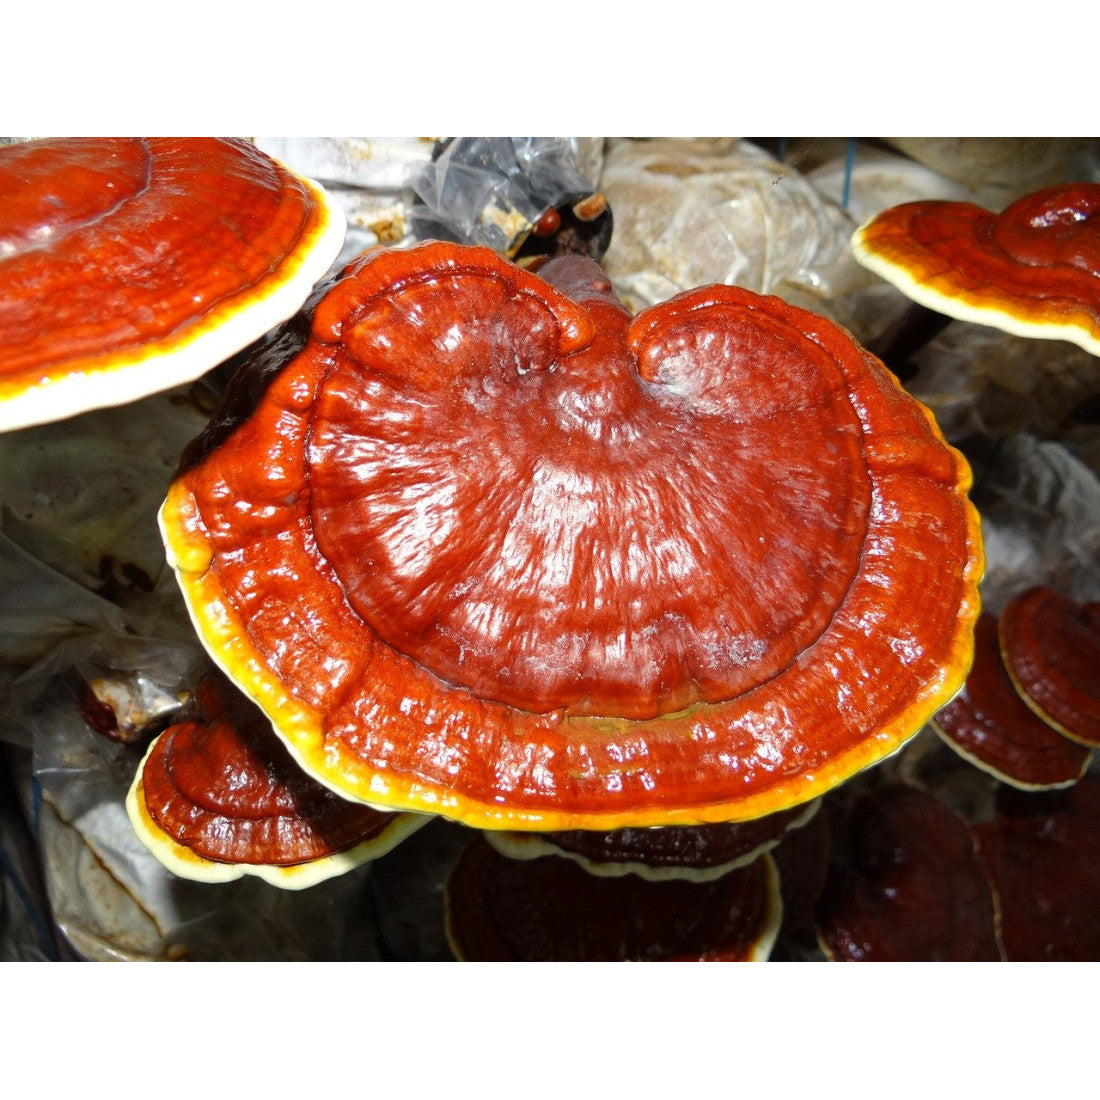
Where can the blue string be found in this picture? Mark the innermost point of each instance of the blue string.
(849, 164)
(44, 937)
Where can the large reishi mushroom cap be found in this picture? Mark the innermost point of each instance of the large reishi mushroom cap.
(1032, 270)
(489, 547)
(130, 265)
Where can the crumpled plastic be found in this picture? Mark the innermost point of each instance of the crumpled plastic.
(688, 213)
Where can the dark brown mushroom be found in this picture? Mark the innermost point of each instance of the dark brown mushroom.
(551, 910)
(1042, 853)
(695, 852)
(907, 885)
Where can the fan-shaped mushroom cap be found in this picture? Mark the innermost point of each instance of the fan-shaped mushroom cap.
(487, 547)
(1032, 270)
(695, 852)
(1051, 648)
(990, 725)
(219, 796)
(910, 887)
(551, 910)
(129, 265)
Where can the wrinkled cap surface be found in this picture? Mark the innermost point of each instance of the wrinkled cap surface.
(1051, 648)
(129, 265)
(219, 796)
(1032, 270)
(489, 547)
(990, 725)
(551, 910)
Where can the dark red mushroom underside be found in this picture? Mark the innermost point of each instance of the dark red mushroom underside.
(992, 726)
(1042, 853)
(907, 885)
(550, 910)
(1051, 648)
(695, 847)
(225, 787)
(491, 548)
(1033, 269)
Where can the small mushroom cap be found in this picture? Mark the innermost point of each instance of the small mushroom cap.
(1032, 270)
(219, 797)
(908, 886)
(551, 910)
(991, 726)
(698, 853)
(1042, 854)
(490, 548)
(1051, 649)
(130, 265)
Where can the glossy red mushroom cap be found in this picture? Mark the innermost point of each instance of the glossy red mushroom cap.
(488, 546)
(1051, 648)
(1033, 270)
(990, 725)
(130, 265)
(218, 796)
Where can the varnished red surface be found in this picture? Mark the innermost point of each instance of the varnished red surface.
(550, 910)
(226, 788)
(1051, 647)
(1043, 856)
(907, 885)
(1037, 262)
(989, 723)
(494, 549)
(114, 250)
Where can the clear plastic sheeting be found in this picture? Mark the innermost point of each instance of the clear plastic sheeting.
(111, 899)
(367, 177)
(492, 191)
(688, 213)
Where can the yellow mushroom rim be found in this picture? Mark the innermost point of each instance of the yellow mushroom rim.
(864, 652)
(131, 265)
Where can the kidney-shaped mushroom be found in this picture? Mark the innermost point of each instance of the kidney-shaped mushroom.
(489, 547)
(130, 265)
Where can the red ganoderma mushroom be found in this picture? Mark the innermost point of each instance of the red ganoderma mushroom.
(1051, 648)
(1032, 270)
(551, 910)
(1042, 854)
(218, 796)
(130, 265)
(489, 547)
(908, 886)
(991, 726)
(695, 852)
